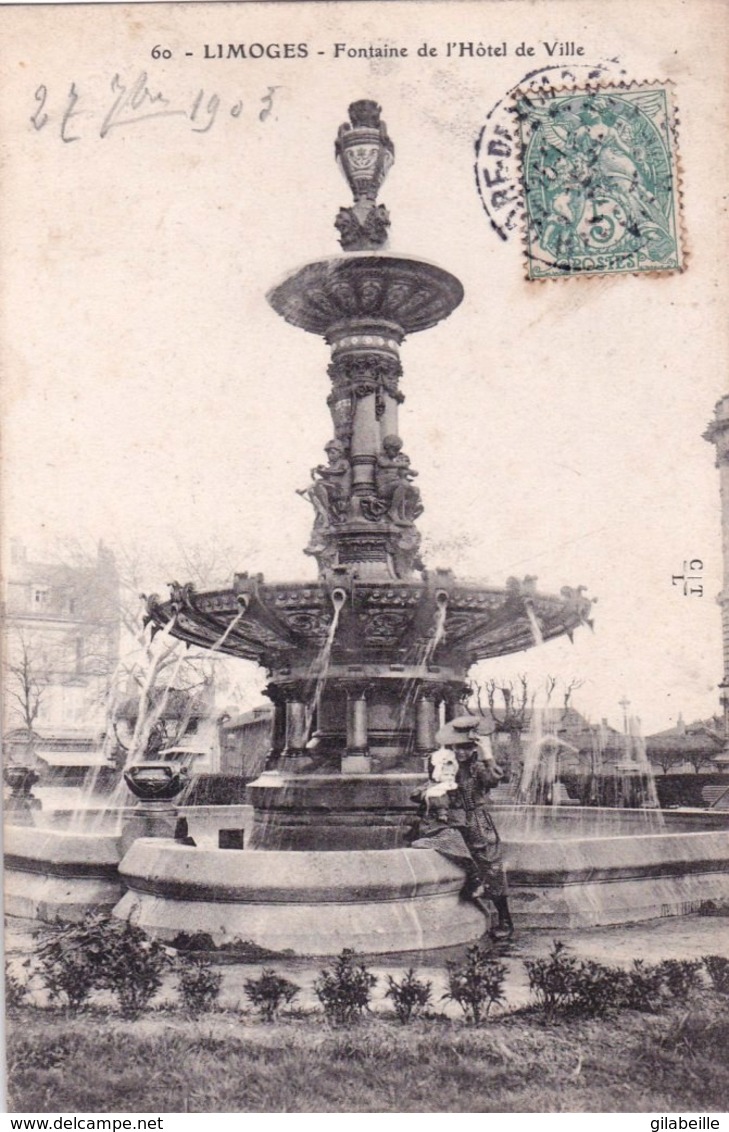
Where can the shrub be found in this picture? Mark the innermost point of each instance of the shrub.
(16, 991)
(642, 987)
(198, 983)
(193, 941)
(100, 953)
(564, 985)
(476, 984)
(409, 996)
(344, 990)
(718, 969)
(133, 967)
(681, 976)
(597, 988)
(70, 960)
(552, 980)
(686, 789)
(269, 993)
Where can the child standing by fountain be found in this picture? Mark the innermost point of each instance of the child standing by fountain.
(455, 818)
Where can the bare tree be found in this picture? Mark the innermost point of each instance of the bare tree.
(700, 758)
(27, 679)
(518, 701)
(153, 665)
(509, 716)
(666, 758)
(571, 687)
(549, 685)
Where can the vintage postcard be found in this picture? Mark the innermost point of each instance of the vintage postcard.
(365, 414)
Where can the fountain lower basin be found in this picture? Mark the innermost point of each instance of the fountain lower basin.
(67, 864)
(60, 875)
(582, 867)
(568, 867)
(313, 903)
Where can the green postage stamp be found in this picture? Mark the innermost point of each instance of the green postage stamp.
(600, 179)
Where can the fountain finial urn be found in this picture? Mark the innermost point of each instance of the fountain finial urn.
(365, 155)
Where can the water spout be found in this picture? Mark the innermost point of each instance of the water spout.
(426, 651)
(441, 607)
(244, 602)
(339, 596)
(320, 665)
(149, 677)
(534, 623)
(540, 770)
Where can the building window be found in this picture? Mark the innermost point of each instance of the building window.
(41, 597)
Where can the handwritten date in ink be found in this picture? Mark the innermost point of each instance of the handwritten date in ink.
(691, 580)
(75, 113)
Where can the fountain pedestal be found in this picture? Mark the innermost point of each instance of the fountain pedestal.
(331, 812)
(148, 819)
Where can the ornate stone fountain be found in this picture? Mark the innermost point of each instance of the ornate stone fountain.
(362, 659)
(362, 664)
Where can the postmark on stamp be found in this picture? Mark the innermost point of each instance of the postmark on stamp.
(600, 182)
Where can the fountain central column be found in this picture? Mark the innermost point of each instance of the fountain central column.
(357, 757)
(365, 371)
(357, 687)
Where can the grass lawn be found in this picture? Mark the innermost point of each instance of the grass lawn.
(228, 1061)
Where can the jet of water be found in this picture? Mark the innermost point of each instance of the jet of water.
(425, 654)
(156, 654)
(534, 624)
(319, 666)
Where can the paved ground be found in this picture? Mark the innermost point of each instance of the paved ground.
(678, 937)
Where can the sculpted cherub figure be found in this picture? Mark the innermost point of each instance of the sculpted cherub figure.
(393, 481)
(329, 493)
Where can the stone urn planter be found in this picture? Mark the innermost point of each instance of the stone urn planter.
(156, 782)
(20, 805)
(154, 785)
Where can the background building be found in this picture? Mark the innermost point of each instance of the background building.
(61, 648)
(245, 741)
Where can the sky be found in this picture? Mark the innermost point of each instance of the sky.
(152, 395)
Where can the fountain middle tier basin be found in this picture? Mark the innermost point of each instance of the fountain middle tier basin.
(284, 626)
